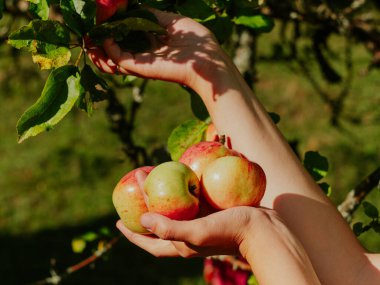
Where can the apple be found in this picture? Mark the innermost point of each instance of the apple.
(172, 190)
(211, 134)
(200, 155)
(105, 9)
(129, 202)
(233, 181)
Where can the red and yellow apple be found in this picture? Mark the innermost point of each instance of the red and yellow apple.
(200, 155)
(129, 202)
(105, 9)
(232, 181)
(172, 190)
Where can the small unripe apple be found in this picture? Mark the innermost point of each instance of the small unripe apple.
(200, 155)
(129, 202)
(233, 181)
(173, 189)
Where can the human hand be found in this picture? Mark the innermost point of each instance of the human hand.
(188, 51)
(220, 233)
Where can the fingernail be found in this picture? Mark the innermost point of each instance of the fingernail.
(146, 221)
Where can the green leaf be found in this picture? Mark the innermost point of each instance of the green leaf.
(59, 95)
(370, 210)
(316, 164)
(196, 9)
(259, 23)
(252, 280)
(358, 228)
(120, 29)
(184, 136)
(79, 15)
(40, 36)
(275, 117)
(78, 245)
(90, 236)
(52, 58)
(197, 106)
(95, 89)
(221, 27)
(326, 188)
(39, 9)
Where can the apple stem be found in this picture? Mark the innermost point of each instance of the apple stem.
(192, 189)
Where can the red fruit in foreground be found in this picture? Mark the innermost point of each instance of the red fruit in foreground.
(173, 190)
(129, 202)
(200, 155)
(233, 181)
(105, 9)
(218, 272)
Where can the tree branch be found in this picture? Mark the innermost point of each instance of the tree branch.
(356, 195)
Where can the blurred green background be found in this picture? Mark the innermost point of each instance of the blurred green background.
(57, 186)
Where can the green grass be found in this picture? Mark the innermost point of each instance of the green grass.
(58, 185)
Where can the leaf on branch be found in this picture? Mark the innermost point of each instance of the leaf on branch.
(370, 210)
(196, 9)
(48, 41)
(95, 89)
(40, 35)
(39, 9)
(197, 106)
(275, 117)
(120, 30)
(326, 188)
(79, 15)
(316, 164)
(358, 228)
(53, 58)
(259, 23)
(184, 136)
(61, 91)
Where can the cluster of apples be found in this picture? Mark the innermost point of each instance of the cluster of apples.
(208, 172)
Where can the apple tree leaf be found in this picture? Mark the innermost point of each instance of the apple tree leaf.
(52, 58)
(316, 164)
(120, 29)
(39, 9)
(196, 9)
(48, 41)
(326, 188)
(61, 91)
(259, 22)
(184, 136)
(95, 89)
(197, 106)
(222, 27)
(39, 36)
(275, 117)
(79, 15)
(370, 210)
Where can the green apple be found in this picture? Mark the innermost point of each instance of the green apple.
(200, 155)
(129, 201)
(172, 190)
(233, 181)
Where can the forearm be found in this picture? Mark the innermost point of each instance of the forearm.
(326, 237)
(274, 254)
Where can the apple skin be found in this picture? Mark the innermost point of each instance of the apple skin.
(129, 202)
(173, 190)
(200, 155)
(232, 181)
(105, 9)
(211, 134)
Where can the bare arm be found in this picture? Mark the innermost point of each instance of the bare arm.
(191, 56)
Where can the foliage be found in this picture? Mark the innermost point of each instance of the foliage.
(56, 34)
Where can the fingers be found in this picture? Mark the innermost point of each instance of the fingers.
(167, 229)
(153, 245)
(140, 177)
(101, 60)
